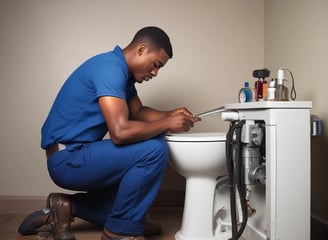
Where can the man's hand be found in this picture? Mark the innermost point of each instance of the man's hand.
(181, 120)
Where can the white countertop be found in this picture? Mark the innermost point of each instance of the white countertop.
(269, 104)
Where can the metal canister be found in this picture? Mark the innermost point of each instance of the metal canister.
(316, 125)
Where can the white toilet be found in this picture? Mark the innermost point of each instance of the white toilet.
(200, 158)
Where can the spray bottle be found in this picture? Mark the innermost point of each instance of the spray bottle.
(261, 85)
(282, 90)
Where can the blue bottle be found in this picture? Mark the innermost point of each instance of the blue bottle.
(245, 94)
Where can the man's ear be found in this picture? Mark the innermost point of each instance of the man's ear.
(142, 48)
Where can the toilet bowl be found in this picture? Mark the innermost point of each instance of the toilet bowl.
(200, 158)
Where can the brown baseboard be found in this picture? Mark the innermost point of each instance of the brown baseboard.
(21, 204)
(26, 204)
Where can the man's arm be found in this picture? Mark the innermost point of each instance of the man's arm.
(128, 124)
(144, 113)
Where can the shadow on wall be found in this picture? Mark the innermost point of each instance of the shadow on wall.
(319, 167)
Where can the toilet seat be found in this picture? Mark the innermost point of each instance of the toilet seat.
(197, 137)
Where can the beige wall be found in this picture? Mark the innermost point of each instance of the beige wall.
(296, 36)
(216, 46)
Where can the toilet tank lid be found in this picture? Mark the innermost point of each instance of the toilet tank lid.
(197, 137)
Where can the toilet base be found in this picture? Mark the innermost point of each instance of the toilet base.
(197, 221)
(206, 213)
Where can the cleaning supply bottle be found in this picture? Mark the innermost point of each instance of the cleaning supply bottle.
(261, 85)
(265, 90)
(245, 94)
(282, 90)
(272, 90)
(253, 93)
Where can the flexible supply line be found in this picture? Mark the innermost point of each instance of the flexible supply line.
(210, 112)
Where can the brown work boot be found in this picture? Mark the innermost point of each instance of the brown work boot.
(108, 235)
(34, 221)
(45, 221)
(61, 205)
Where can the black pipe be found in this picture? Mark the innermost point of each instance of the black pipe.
(240, 179)
(230, 168)
(236, 178)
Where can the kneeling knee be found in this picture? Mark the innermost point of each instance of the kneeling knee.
(157, 148)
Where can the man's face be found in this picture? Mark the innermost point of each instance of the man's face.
(148, 63)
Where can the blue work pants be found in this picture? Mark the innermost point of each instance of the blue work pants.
(118, 182)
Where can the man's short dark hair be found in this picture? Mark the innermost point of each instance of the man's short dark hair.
(155, 36)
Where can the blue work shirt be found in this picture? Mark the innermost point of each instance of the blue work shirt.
(75, 116)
